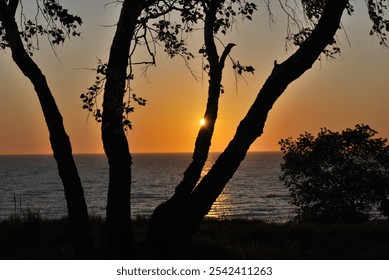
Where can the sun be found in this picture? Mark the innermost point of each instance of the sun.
(202, 122)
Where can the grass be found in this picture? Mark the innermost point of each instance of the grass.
(29, 236)
(255, 240)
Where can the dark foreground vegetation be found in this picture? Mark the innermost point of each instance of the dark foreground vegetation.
(31, 237)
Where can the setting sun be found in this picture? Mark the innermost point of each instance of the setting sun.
(202, 122)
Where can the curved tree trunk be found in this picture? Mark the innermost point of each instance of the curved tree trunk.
(203, 141)
(119, 228)
(60, 143)
(186, 217)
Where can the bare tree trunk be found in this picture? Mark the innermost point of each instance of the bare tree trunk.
(119, 227)
(60, 143)
(203, 141)
(187, 216)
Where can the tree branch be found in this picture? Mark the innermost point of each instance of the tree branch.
(209, 38)
(225, 53)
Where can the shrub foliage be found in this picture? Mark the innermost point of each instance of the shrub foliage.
(337, 176)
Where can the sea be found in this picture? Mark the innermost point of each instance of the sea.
(32, 183)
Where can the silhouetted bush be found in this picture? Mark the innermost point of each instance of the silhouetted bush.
(337, 177)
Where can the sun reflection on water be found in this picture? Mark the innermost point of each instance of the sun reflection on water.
(222, 206)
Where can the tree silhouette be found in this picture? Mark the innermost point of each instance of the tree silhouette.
(59, 25)
(134, 17)
(176, 225)
(336, 176)
(113, 135)
(182, 222)
(212, 25)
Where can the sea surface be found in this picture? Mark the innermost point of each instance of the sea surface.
(32, 182)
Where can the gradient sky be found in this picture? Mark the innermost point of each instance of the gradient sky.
(337, 94)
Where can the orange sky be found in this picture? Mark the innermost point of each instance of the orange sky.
(337, 94)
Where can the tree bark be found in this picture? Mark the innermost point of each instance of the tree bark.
(183, 221)
(115, 143)
(60, 143)
(119, 227)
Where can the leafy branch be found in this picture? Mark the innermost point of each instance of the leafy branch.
(51, 19)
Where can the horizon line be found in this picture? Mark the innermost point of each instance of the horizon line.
(134, 153)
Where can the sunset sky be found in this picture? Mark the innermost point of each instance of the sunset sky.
(336, 94)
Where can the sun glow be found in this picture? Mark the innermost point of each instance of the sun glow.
(202, 122)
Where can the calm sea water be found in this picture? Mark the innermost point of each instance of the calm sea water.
(32, 182)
